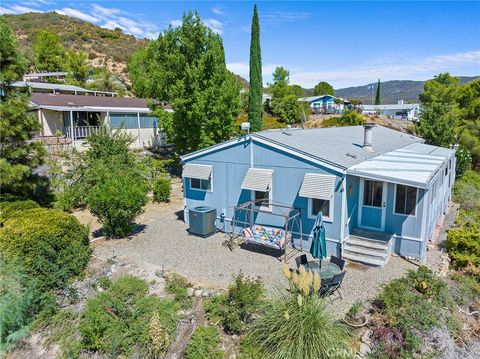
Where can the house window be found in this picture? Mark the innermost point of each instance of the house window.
(200, 184)
(405, 200)
(320, 205)
(372, 193)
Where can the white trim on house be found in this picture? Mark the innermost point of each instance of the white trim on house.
(395, 202)
(330, 209)
(383, 206)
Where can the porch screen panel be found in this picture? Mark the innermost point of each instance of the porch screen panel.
(202, 172)
(123, 120)
(317, 186)
(257, 179)
(148, 121)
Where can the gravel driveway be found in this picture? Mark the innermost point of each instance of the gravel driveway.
(165, 242)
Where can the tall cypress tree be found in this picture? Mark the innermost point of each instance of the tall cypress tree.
(377, 96)
(255, 108)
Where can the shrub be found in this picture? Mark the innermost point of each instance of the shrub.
(351, 118)
(124, 318)
(297, 326)
(463, 245)
(416, 302)
(8, 209)
(204, 344)
(178, 285)
(236, 308)
(20, 302)
(51, 245)
(162, 189)
(117, 201)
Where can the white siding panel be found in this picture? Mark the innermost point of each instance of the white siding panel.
(317, 186)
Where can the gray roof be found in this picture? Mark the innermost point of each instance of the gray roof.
(57, 73)
(399, 106)
(58, 87)
(47, 86)
(416, 164)
(338, 146)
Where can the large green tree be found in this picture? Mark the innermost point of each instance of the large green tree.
(451, 115)
(18, 154)
(255, 98)
(377, 96)
(323, 88)
(12, 64)
(49, 52)
(77, 67)
(186, 69)
(285, 104)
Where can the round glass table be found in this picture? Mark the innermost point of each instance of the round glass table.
(326, 270)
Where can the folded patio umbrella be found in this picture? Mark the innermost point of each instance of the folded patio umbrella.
(318, 249)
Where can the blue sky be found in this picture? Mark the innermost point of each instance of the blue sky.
(344, 43)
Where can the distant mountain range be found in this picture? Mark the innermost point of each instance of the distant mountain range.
(391, 91)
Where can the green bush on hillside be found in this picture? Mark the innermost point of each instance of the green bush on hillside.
(236, 308)
(125, 317)
(162, 189)
(117, 201)
(7, 209)
(178, 285)
(204, 344)
(351, 118)
(410, 305)
(51, 245)
(20, 302)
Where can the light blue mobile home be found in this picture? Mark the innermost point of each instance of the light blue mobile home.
(379, 190)
(325, 104)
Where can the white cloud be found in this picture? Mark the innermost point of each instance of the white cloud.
(419, 69)
(243, 69)
(175, 23)
(17, 9)
(214, 24)
(78, 14)
(217, 10)
(4, 10)
(100, 10)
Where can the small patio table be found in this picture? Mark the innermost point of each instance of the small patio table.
(327, 270)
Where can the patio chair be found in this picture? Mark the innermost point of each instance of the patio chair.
(334, 286)
(338, 261)
(325, 287)
(301, 260)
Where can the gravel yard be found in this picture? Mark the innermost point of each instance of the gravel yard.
(163, 241)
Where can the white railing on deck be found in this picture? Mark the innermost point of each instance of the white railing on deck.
(82, 131)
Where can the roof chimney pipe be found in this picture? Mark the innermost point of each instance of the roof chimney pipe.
(367, 136)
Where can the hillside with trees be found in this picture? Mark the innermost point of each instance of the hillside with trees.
(392, 91)
(109, 49)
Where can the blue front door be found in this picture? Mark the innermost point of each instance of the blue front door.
(372, 204)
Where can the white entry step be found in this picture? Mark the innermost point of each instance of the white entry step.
(368, 248)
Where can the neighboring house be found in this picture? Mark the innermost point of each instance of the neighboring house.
(45, 76)
(381, 191)
(46, 87)
(325, 104)
(400, 111)
(77, 116)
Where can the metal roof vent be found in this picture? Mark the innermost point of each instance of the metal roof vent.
(286, 130)
(367, 136)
